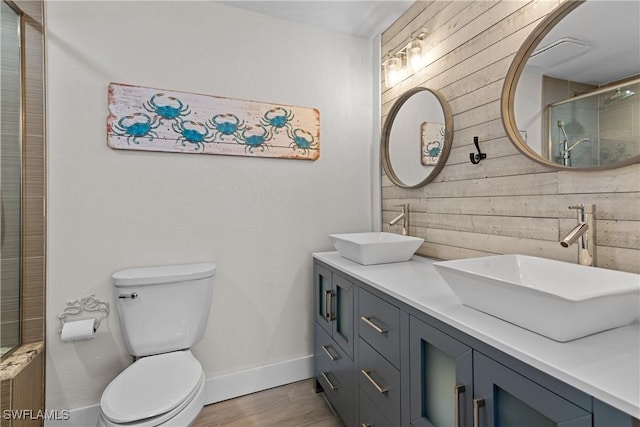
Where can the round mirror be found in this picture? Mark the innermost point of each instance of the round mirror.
(572, 94)
(416, 137)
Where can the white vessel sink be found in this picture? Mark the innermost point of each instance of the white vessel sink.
(559, 300)
(375, 247)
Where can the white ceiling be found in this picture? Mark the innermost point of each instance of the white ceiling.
(610, 29)
(362, 18)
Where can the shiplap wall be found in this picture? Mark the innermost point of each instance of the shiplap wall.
(507, 203)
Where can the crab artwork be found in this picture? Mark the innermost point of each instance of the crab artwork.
(433, 150)
(302, 140)
(256, 138)
(193, 132)
(135, 126)
(225, 126)
(171, 111)
(277, 118)
(162, 120)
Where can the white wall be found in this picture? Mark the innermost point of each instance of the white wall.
(258, 219)
(528, 112)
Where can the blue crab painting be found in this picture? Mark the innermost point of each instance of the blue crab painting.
(256, 139)
(226, 125)
(171, 111)
(135, 126)
(277, 118)
(302, 140)
(153, 119)
(193, 132)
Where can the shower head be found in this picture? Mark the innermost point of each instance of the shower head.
(619, 96)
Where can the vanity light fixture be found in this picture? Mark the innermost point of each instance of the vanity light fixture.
(409, 59)
(393, 70)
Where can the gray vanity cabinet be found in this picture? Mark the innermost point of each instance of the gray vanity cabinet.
(384, 363)
(441, 377)
(334, 339)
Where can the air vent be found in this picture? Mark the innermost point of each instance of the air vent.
(557, 52)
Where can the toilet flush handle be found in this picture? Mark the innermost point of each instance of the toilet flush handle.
(132, 295)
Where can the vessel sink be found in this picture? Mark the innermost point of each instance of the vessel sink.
(559, 300)
(375, 247)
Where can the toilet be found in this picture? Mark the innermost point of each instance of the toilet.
(163, 312)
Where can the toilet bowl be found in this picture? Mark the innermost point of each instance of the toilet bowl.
(166, 389)
(163, 312)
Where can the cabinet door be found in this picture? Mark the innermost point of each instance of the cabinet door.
(441, 378)
(504, 398)
(343, 313)
(323, 296)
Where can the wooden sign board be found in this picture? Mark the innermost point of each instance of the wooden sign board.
(151, 119)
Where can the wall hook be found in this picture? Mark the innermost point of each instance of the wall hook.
(476, 157)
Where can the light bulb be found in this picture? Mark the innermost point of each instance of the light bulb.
(392, 71)
(415, 56)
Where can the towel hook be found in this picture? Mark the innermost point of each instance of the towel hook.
(476, 157)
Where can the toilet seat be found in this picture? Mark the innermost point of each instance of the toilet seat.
(153, 388)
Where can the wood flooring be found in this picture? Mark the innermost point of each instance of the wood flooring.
(291, 405)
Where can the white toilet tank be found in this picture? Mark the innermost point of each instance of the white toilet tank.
(165, 308)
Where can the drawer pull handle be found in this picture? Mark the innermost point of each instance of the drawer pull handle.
(459, 389)
(381, 389)
(366, 425)
(477, 404)
(333, 386)
(331, 355)
(379, 329)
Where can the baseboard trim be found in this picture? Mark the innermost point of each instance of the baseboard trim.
(218, 388)
(257, 379)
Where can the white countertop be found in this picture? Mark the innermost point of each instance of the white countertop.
(605, 365)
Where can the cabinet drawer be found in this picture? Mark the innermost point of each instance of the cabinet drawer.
(335, 371)
(380, 380)
(370, 416)
(379, 325)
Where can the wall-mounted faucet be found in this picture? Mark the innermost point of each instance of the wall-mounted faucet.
(586, 232)
(404, 216)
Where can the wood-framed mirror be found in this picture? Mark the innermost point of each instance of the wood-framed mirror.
(417, 137)
(572, 93)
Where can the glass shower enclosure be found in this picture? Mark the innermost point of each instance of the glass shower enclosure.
(10, 176)
(599, 128)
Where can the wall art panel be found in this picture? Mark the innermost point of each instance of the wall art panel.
(151, 119)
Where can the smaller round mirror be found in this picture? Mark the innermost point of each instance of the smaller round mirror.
(416, 137)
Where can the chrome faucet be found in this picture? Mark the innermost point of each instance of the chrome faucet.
(586, 232)
(404, 216)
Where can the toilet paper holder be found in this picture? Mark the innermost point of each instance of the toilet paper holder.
(87, 304)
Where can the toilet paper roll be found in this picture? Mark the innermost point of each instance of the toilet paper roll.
(78, 330)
